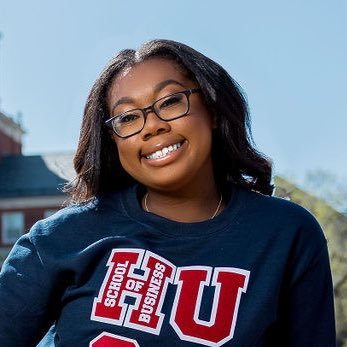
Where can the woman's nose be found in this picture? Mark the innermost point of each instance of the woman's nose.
(154, 126)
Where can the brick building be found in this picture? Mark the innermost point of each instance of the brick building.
(30, 186)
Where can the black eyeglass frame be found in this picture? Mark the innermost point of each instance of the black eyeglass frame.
(145, 111)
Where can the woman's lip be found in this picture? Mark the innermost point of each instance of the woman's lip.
(160, 147)
(166, 159)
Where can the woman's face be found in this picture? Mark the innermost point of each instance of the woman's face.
(176, 168)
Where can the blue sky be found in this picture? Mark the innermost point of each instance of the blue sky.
(288, 56)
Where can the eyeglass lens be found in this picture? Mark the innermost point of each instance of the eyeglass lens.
(167, 108)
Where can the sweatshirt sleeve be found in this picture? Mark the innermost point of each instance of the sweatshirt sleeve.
(26, 296)
(308, 311)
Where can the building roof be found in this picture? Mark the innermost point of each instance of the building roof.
(36, 175)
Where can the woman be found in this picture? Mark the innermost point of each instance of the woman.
(173, 238)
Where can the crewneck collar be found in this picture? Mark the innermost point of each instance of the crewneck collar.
(131, 206)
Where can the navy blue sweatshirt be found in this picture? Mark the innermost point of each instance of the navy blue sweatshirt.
(108, 274)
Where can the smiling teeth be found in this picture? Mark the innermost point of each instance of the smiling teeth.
(164, 151)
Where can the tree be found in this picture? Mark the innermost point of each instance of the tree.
(327, 186)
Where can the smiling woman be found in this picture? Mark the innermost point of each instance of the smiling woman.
(169, 149)
(171, 235)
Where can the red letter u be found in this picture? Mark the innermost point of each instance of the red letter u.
(229, 284)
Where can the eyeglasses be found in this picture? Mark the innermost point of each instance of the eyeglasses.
(168, 108)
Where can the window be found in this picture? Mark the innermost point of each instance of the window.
(12, 226)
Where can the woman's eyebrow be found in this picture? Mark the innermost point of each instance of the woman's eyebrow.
(157, 88)
(163, 84)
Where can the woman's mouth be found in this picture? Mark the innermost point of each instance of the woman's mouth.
(164, 151)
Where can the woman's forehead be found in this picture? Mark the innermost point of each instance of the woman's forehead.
(147, 75)
(155, 66)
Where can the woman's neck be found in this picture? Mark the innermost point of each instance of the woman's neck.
(185, 206)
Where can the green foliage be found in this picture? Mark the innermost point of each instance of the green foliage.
(328, 187)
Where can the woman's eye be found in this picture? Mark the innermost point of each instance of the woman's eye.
(171, 101)
(127, 118)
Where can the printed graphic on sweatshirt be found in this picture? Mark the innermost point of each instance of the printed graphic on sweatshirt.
(144, 276)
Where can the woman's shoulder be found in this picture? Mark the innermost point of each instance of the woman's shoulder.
(277, 206)
(80, 216)
(284, 223)
(277, 213)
